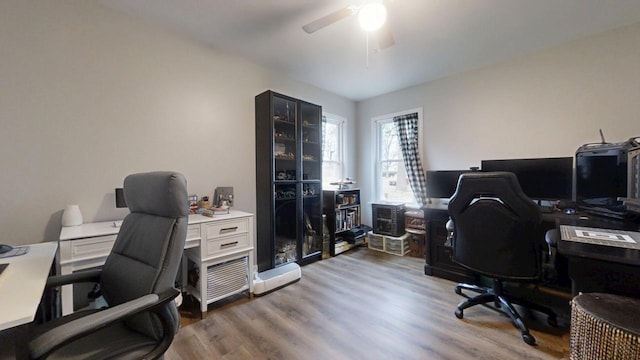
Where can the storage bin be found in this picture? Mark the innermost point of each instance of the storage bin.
(397, 245)
(376, 241)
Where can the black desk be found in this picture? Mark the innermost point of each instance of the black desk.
(599, 268)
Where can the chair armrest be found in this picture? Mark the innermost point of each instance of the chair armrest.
(552, 237)
(549, 271)
(74, 329)
(450, 227)
(80, 276)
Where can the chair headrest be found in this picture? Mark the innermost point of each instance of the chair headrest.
(497, 185)
(162, 193)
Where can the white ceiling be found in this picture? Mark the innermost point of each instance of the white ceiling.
(433, 38)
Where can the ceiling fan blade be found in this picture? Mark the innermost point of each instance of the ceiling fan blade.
(384, 36)
(329, 19)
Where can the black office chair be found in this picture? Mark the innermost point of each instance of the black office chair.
(495, 233)
(137, 281)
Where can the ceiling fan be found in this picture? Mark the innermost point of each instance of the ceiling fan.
(372, 16)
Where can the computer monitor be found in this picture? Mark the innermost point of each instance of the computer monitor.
(120, 202)
(540, 178)
(601, 177)
(441, 184)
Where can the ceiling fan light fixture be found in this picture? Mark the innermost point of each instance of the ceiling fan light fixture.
(372, 16)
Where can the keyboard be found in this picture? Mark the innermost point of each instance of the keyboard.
(601, 211)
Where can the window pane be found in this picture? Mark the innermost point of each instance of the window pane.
(392, 176)
(332, 152)
(331, 172)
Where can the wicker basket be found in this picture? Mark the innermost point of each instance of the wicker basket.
(604, 326)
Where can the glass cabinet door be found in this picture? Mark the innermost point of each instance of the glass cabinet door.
(284, 139)
(285, 155)
(312, 230)
(310, 136)
(311, 144)
(286, 226)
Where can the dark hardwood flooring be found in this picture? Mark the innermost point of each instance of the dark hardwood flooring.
(362, 304)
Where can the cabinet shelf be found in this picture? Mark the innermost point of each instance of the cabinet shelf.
(347, 206)
(283, 122)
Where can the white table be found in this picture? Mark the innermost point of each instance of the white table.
(21, 287)
(22, 284)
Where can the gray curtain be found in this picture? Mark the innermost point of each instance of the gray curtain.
(407, 128)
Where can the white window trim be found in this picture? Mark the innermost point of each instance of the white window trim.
(375, 121)
(340, 121)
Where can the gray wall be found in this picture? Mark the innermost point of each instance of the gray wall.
(545, 104)
(89, 95)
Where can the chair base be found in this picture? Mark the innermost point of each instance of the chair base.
(503, 303)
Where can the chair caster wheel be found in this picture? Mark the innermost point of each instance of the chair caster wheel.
(552, 321)
(458, 313)
(530, 340)
(458, 291)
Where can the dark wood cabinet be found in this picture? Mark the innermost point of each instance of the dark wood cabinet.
(288, 180)
(438, 256)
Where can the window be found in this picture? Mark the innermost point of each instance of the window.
(392, 183)
(332, 149)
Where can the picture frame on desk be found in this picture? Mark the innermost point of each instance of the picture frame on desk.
(223, 194)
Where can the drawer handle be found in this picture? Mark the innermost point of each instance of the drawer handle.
(228, 230)
(222, 246)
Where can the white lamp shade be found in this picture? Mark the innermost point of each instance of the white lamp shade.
(71, 216)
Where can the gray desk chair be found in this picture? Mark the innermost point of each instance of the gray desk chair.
(137, 281)
(495, 234)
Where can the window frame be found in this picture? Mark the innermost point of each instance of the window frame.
(340, 122)
(377, 123)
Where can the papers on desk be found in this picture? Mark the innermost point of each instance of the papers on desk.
(597, 236)
(16, 251)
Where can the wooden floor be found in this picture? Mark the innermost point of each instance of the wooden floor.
(362, 304)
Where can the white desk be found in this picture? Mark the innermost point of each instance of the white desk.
(210, 242)
(22, 284)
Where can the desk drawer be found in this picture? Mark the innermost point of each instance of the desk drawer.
(193, 236)
(91, 247)
(193, 232)
(227, 243)
(222, 228)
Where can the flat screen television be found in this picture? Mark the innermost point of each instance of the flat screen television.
(540, 178)
(441, 184)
